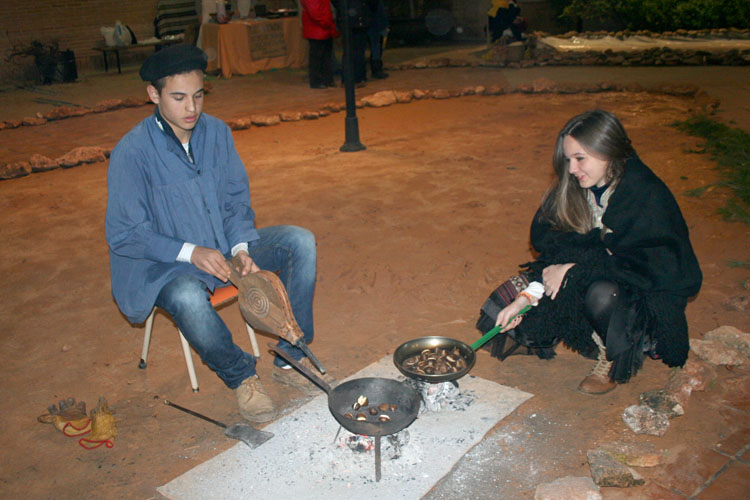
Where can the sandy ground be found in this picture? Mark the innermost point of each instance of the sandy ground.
(413, 233)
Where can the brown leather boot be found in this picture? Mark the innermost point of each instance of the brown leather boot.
(254, 403)
(597, 381)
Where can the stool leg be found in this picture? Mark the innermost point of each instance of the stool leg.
(189, 361)
(146, 340)
(253, 340)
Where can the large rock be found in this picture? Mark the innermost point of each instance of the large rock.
(41, 163)
(716, 352)
(644, 420)
(380, 99)
(14, 169)
(568, 488)
(83, 154)
(731, 337)
(607, 471)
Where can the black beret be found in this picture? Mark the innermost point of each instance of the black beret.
(172, 61)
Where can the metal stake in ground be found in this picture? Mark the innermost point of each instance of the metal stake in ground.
(351, 127)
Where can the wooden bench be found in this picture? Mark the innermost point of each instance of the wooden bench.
(116, 49)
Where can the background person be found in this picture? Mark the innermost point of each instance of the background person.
(615, 265)
(319, 28)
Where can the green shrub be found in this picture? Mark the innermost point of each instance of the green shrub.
(662, 15)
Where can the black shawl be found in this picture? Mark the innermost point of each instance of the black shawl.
(651, 260)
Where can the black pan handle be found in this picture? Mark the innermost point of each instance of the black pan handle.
(301, 368)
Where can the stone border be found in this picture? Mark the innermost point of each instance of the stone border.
(63, 112)
(83, 155)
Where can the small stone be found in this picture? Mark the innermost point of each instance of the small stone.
(134, 102)
(468, 91)
(568, 488)
(30, 121)
(15, 169)
(479, 89)
(239, 123)
(644, 420)
(265, 120)
(663, 402)
(310, 115)
(403, 95)
(333, 107)
(40, 163)
(380, 99)
(608, 472)
(493, 90)
(108, 105)
(716, 352)
(440, 94)
(420, 94)
(83, 154)
(66, 347)
(290, 116)
(543, 85)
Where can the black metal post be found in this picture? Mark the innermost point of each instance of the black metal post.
(351, 129)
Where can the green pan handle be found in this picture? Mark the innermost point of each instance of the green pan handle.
(487, 336)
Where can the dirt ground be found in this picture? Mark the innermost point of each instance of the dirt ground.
(412, 233)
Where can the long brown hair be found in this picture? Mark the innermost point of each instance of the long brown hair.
(602, 135)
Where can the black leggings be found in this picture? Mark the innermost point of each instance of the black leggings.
(599, 304)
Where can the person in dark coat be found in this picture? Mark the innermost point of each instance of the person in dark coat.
(615, 266)
(319, 28)
(360, 19)
(375, 36)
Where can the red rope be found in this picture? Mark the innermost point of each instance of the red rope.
(105, 442)
(86, 426)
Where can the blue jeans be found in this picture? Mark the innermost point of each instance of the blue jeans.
(287, 249)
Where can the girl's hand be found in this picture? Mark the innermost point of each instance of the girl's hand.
(553, 277)
(511, 310)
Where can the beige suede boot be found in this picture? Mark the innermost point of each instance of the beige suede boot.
(597, 381)
(254, 403)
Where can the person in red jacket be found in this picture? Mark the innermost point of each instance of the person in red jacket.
(319, 28)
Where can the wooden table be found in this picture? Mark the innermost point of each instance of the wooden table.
(156, 44)
(248, 46)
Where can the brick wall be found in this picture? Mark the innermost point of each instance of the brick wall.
(73, 23)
